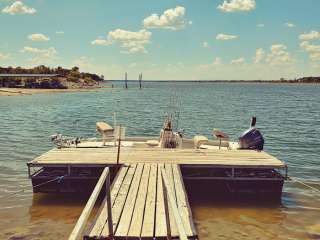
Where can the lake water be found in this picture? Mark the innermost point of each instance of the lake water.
(288, 116)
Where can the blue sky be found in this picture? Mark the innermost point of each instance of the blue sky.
(178, 40)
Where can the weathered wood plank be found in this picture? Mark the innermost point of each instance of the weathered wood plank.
(160, 221)
(173, 225)
(125, 220)
(155, 155)
(182, 202)
(138, 213)
(120, 200)
(103, 213)
(150, 208)
(177, 217)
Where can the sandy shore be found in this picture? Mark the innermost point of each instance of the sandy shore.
(30, 91)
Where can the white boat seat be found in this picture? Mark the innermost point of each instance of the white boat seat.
(105, 130)
(198, 140)
(152, 143)
(103, 127)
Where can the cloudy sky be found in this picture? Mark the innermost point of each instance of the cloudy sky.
(165, 39)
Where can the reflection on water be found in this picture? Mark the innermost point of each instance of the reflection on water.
(287, 115)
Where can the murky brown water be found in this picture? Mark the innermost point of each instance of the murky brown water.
(44, 216)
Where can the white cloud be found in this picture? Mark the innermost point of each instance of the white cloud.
(102, 42)
(238, 61)
(39, 37)
(237, 5)
(260, 25)
(225, 37)
(312, 35)
(260, 53)
(40, 55)
(312, 49)
(59, 32)
(133, 42)
(18, 7)
(205, 44)
(172, 19)
(290, 25)
(279, 55)
(4, 56)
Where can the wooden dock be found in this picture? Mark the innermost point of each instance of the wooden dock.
(138, 205)
(147, 198)
(108, 157)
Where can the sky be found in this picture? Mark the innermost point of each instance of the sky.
(165, 39)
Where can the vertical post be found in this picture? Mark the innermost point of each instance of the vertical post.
(166, 208)
(126, 81)
(110, 223)
(140, 80)
(286, 173)
(114, 119)
(119, 144)
(29, 175)
(232, 172)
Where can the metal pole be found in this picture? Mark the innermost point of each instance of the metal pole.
(108, 198)
(119, 143)
(126, 81)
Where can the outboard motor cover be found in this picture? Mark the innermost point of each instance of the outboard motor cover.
(251, 139)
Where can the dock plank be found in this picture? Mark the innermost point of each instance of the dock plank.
(101, 220)
(126, 217)
(120, 200)
(182, 202)
(150, 207)
(107, 157)
(160, 221)
(173, 225)
(138, 213)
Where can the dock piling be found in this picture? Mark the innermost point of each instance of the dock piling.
(140, 80)
(126, 81)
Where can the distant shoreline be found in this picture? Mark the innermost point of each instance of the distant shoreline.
(31, 91)
(221, 81)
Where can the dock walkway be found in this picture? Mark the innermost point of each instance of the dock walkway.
(108, 157)
(139, 204)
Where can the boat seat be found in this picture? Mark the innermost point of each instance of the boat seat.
(198, 140)
(220, 135)
(103, 127)
(152, 143)
(105, 130)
